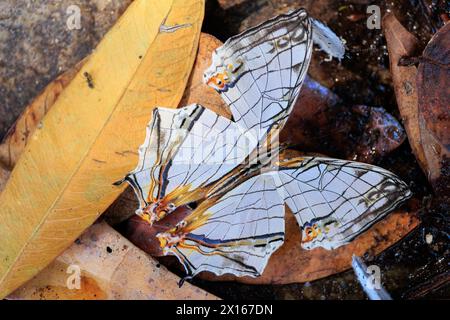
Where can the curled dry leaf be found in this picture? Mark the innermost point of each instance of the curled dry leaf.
(110, 267)
(401, 43)
(423, 97)
(433, 90)
(67, 170)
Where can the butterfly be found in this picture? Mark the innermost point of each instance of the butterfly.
(232, 175)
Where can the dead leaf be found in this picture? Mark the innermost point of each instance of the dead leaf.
(401, 43)
(433, 90)
(66, 173)
(110, 267)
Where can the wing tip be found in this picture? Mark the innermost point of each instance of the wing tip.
(327, 40)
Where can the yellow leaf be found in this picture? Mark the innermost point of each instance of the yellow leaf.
(88, 140)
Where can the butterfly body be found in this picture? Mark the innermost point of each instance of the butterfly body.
(231, 177)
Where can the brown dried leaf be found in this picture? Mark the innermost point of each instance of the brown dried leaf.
(401, 43)
(111, 268)
(433, 89)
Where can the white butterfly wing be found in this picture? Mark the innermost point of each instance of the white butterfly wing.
(333, 200)
(212, 148)
(190, 146)
(336, 200)
(259, 72)
(237, 234)
(165, 133)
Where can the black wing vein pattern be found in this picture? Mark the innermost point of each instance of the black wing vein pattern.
(338, 198)
(190, 146)
(271, 61)
(239, 233)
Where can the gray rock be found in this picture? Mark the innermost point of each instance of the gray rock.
(36, 45)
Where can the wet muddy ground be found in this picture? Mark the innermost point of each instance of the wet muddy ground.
(417, 266)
